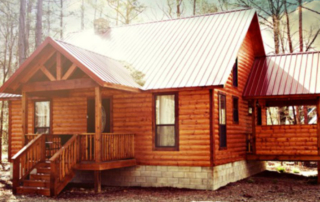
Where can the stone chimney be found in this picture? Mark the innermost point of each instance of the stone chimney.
(101, 26)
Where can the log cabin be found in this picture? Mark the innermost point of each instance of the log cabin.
(175, 103)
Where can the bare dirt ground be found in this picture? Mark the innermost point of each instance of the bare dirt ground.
(266, 186)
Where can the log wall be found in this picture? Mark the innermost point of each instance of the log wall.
(132, 113)
(236, 133)
(287, 140)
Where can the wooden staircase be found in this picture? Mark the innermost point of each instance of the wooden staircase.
(33, 173)
(44, 168)
(38, 182)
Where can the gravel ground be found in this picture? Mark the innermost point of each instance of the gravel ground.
(266, 186)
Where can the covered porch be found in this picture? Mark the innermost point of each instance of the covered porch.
(294, 140)
(63, 120)
(290, 84)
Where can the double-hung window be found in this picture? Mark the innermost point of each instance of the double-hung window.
(42, 117)
(166, 121)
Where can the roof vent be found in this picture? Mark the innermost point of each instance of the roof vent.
(101, 26)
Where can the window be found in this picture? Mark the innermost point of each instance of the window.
(235, 74)
(259, 116)
(166, 123)
(250, 108)
(42, 117)
(291, 115)
(235, 104)
(222, 121)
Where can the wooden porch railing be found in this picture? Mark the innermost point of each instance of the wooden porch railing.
(250, 143)
(26, 159)
(62, 164)
(87, 147)
(52, 142)
(117, 146)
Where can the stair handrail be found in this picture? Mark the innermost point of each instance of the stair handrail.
(62, 163)
(26, 159)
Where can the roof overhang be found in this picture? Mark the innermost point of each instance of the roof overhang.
(47, 47)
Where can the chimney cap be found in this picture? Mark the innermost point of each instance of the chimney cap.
(101, 25)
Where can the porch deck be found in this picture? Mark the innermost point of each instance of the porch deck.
(56, 159)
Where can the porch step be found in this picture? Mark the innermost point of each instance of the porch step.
(36, 183)
(33, 190)
(43, 164)
(43, 170)
(40, 176)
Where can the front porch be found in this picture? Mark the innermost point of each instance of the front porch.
(62, 159)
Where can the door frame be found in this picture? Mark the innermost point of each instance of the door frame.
(111, 110)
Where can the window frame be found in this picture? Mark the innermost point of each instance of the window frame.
(50, 115)
(235, 71)
(233, 109)
(222, 147)
(176, 124)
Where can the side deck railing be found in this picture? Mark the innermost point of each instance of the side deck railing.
(114, 146)
(26, 159)
(117, 146)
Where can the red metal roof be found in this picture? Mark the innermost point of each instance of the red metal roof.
(107, 69)
(187, 52)
(103, 70)
(289, 74)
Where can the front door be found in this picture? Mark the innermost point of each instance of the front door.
(106, 115)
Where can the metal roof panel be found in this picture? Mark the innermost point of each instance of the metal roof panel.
(186, 52)
(287, 74)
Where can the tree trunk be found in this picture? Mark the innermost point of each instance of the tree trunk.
(1, 129)
(28, 21)
(288, 27)
(82, 15)
(305, 114)
(61, 19)
(300, 26)
(194, 6)
(48, 19)
(178, 8)
(22, 32)
(276, 33)
(39, 24)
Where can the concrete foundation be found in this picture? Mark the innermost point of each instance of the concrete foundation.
(202, 178)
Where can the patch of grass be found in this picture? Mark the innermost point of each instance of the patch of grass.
(296, 170)
(281, 169)
(251, 180)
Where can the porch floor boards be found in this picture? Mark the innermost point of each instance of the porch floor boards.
(283, 157)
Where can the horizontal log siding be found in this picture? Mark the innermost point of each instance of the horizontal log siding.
(287, 140)
(236, 133)
(16, 129)
(132, 113)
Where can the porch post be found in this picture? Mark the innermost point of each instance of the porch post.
(318, 134)
(24, 118)
(97, 139)
(254, 127)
